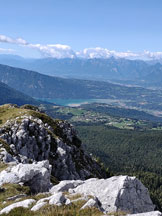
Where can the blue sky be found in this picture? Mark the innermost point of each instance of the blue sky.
(119, 25)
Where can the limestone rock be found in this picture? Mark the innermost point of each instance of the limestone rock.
(32, 139)
(93, 202)
(25, 204)
(6, 157)
(57, 199)
(36, 175)
(118, 193)
(65, 186)
(38, 206)
(153, 213)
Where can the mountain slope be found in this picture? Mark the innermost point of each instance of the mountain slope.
(43, 86)
(29, 136)
(10, 95)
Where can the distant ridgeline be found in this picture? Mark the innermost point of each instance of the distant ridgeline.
(122, 70)
(43, 86)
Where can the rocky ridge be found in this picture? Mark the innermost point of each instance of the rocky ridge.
(37, 151)
(34, 136)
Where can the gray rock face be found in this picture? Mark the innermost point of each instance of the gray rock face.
(36, 175)
(30, 139)
(118, 193)
(27, 138)
(6, 157)
(25, 204)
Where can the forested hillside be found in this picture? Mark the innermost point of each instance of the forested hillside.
(10, 95)
(125, 141)
(43, 86)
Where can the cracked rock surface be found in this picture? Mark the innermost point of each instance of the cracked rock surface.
(29, 139)
(118, 193)
(36, 176)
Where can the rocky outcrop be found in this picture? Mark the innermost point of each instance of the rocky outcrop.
(118, 193)
(36, 176)
(35, 146)
(36, 137)
(115, 194)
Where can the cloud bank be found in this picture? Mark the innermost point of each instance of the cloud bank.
(65, 51)
(99, 52)
(54, 50)
(19, 41)
(2, 50)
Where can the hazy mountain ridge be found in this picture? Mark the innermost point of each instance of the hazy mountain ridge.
(95, 69)
(38, 85)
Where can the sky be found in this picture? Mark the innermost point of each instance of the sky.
(84, 28)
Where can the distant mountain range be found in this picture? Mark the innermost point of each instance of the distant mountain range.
(136, 72)
(43, 86)
(10, 95)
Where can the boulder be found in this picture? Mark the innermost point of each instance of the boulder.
(31, 139)
(57, 199)
(118, 193)
(35, 175)
(24, 204)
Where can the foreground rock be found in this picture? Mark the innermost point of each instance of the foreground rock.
(34, 136)
(118, 193)
(25, 204)
(115, 194)
(36, 175)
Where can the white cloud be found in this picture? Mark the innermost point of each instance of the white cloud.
(65, 51)
(2, 50)
(152, 55)
(99, 52)
(6, 39)
(54, 50)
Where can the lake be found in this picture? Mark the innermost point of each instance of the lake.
(78, 102)
(69, 102)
